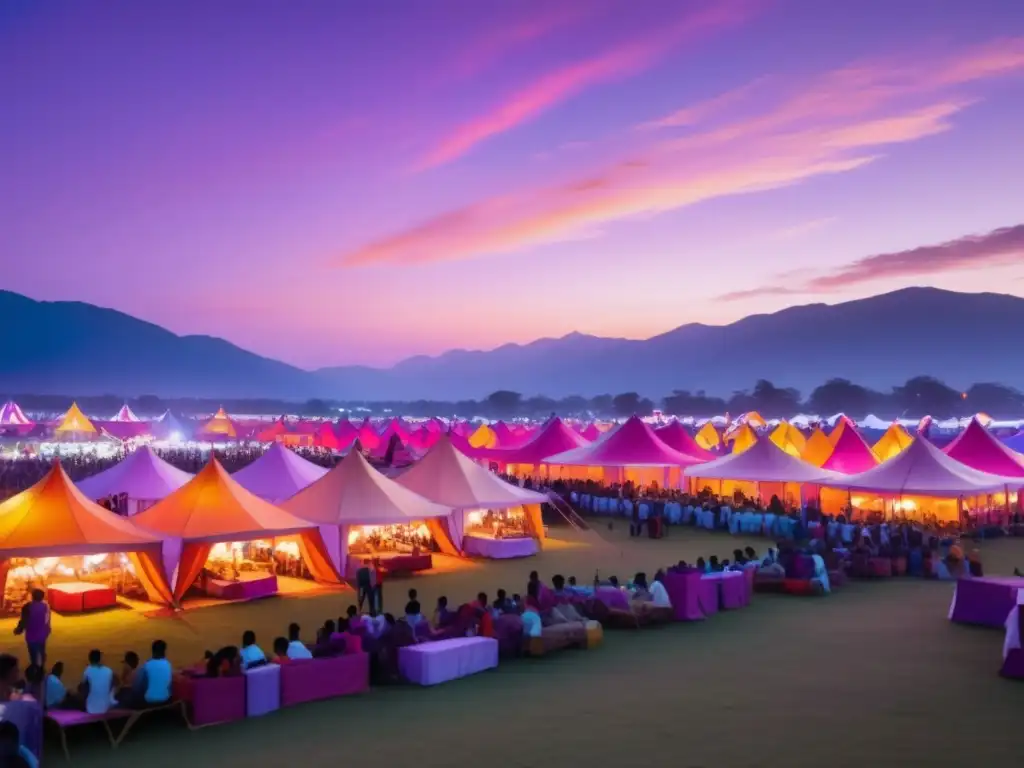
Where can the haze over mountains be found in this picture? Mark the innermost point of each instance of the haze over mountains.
(73, 348)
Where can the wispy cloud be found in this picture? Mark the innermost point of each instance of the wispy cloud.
(1001, 247)
(555, 87)
(836, 123)
(803, 229)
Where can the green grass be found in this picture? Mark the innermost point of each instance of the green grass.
(871, 675)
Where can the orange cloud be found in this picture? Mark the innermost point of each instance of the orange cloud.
(1000, 247)
(837, 123)
(555, 87)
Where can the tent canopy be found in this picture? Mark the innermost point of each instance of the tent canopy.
(979, 449)
(212, 507)
(447, 477)
(554, 437)
(895, 440)
(278, 474)
(220, 425)
(126, 415)
(850, 454)
(53, 518)
(631, 444)
(11, 415)
(742, 438)
(789, 438)
(141, 475)
(763, 462)
(675, 436)
(354, 493)
(75, 421)
(707, 436)
(818, 448)
(924, 470)
(483, 437)
(843, 423)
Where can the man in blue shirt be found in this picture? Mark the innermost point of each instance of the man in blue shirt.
(153, 683)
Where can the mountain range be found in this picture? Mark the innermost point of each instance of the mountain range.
(73, 348)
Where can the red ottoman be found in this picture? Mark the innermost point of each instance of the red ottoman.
(78, 596)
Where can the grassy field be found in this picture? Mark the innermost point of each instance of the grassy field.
(873, 674)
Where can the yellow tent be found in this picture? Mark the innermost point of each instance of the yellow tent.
(742, 438)
(75, 421)
(754, 419)
(220, 424)
(818, 448)
(484, 437)
(790, 439)
(708, 437)
(893, 442)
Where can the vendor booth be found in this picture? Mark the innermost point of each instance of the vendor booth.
(227, 542)
(374, 517)
(52, 537)
(142, 476)
(490, 518)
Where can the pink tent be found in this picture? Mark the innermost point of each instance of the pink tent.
(394, 427)
(591, 432)
(368, 436)
(923, 470)
(674, 435)
(763, 462)
(278, 474)
(124, 430)
(554, 437)
(977, 448)
(11, 415)
(850, 454)
(142, 475)
(631, 444)
(126, 414)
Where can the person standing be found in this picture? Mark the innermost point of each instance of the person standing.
(364, 584)
(378, 585)
(35, 625)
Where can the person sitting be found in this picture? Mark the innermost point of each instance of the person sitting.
(55, 694)
(641, 592)
(97, 685)
(974, 564)
(737, 557)
(558, 586)
(281, 651)
(224, 663)
(13, 754)
(127, 679)
(155, 678)
(413, 612)
(701, 565)
(328, 642)
(251, 654)
(355, 621)
(35, 679)
(659, 595)
(750, 555)
(713, 565)
(532, 624)
(296, 648)
(353, 643)
(442, 616)
(484, 616)
(10, 674)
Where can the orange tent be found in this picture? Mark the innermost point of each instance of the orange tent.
(818, 448)
(75, 421)
(708, 437)
(895, 440)
(221, 424)
(742, 439)
(213, 508)
(54, 519)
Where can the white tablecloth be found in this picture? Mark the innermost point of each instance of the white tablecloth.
(499, 549)
(439, 662)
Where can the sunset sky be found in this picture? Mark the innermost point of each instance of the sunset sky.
(358, 181)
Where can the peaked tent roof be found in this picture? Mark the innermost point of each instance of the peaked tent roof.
(367, 435)
(895, 440)
(789, 438)
(818, 448)
(483, 437)
(75, 421)
(354, 493)
(707, 436)
(552, 438)
(220, 424)
(674, 435)
(126, 414)
(169, 425)
(924, 470)
(978, 448)
(450, 478)
(54, 518)
(850, 454)
(213, 507)
(278, 474)
(141, 474)
(754, 419)
(591, 431)
(763, 462)
(843, 423)
(631, 444)
(742, 439)
(11, 415)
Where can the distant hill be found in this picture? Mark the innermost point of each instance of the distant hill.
(79, 349)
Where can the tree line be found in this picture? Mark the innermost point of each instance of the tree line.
(920, 396)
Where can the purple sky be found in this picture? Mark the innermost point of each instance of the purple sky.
(353, 182)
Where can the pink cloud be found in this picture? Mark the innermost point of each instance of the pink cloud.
(555, 87)
(837, 123)
(1001, 247)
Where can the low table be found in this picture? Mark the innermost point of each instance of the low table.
(498, 549)
(444, 660)
(79, 596)
(263, 585)
(985, 601)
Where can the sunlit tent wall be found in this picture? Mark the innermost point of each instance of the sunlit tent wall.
(356, 503)
(895, 440)
(527, 460)
(142, 475)
(790, 439)
(762, 471)
(490, 518)
(53, 537)
(707, 437)
(629, 453)
(741, 438)
(212, 514)
(922, 483)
